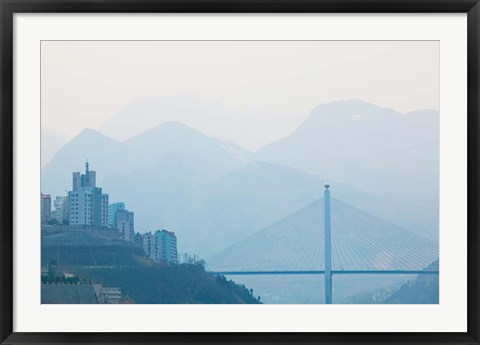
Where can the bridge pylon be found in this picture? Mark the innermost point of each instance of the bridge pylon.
(328, 246)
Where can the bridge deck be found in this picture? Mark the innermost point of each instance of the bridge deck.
(236, 273)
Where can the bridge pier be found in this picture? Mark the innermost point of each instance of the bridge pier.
(328, 246)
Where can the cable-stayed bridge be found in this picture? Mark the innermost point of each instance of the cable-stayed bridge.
(329, 237)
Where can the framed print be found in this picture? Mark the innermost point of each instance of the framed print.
(255, 172)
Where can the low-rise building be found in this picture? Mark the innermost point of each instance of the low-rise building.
(108, 295)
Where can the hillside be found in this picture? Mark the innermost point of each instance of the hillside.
(423, 289)
(82, 247)
(170, 284)
(100, 257)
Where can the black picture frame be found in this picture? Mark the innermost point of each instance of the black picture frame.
(10, 7)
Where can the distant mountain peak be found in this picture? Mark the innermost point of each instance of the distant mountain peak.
(91, 132)
(172, 130)
(364, 145)
(91, 136)
(350, 106)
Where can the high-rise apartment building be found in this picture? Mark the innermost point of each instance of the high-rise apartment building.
(161, 246)
(61, 209)
(166, 246)
(149, 245)
(86, 200)
(46, 208)
(124, 221)
(112, 211)
(105, 209)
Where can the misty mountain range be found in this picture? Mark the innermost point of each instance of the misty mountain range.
(208, 117)
(213, 193)
(372, 148)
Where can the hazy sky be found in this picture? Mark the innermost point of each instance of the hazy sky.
(84, 83)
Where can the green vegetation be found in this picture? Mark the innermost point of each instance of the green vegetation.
(167, 284)
(422, 290)
(98, 256)
(88, 247)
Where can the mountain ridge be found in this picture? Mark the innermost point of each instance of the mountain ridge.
(375, 149)
(213, 192)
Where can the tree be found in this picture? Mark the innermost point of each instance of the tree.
(52, 268)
